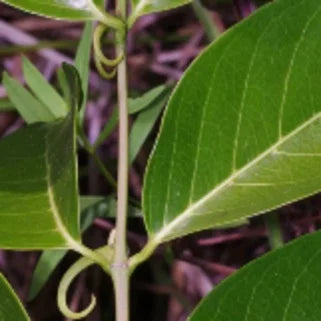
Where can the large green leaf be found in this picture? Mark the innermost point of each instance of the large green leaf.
(38, 187)
(281, 286)
(63, 9)
(142, 7)
(10, 306)
(242, 132)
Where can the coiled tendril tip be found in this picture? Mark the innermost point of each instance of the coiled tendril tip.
(64, 285)
(101, 60)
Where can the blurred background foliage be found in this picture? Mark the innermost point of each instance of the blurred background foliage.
(161, 46)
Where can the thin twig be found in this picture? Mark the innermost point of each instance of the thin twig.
(89, 148)
(120, 270)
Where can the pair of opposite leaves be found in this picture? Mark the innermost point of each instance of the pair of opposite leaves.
(243, 141)
(247, 138)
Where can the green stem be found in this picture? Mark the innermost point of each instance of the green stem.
(91, 151)
(142, 256)
(122, 193)
(207, 21)
(120, 271)
(273, 227)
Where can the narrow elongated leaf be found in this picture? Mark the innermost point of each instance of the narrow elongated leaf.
(142, 7)
(242, 132)
(30, 109)
(82, 64)
(138, 104)
(282, 285)
(38, 187)
(10, 306)
(46, 265)
(135, 105)
(43, 90)
(63, 9)
(143, 125)
(71, 85)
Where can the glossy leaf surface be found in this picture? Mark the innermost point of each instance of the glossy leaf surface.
(282, 285)
(38, 187)
(242, 132)
(62, 9)
(10, 306)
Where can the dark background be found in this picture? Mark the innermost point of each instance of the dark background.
(172, 282)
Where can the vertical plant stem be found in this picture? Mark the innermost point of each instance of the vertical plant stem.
(204, 17)
(273, 227)
(120, 270)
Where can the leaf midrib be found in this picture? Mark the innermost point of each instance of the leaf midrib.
(166, 231)
(179, 219)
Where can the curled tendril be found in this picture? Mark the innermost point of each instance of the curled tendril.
(80, 265)
(64, 285)
(99, 32)
(101, 60)
(103, 73)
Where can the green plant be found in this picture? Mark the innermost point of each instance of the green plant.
(240, 136)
